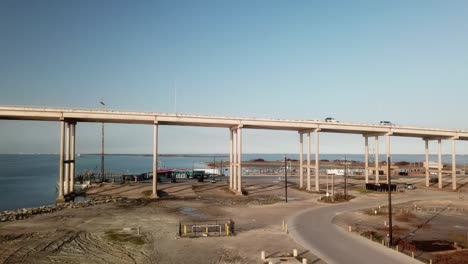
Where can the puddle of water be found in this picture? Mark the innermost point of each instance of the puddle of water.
(192, 212)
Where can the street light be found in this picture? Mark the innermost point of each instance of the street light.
(102, 144)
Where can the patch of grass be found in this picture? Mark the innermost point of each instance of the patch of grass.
(405, 217)
(124, 238)
(364, 190)
(372, 234)
(337, 199)
(147, 192)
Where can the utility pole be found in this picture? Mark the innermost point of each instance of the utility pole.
(214, 165)
(102, 145)
(333, 187)
(345, 180)
(285, 179)
(328, 193)
(390, 228)
(222, 171)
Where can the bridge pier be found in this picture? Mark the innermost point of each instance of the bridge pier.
(366, 159)
(67, 158)
(439, 167)
(308, 161)
(388, 153)
(61, 198)
(239, 159)
(376, 159)
(66, 183)
(154, 194)
(440, 164)
(317, 160)
(231, 159)
(234, 160)
(235, 174)
(426, 165)
(301, 162)
(454, 165)
(72, 157)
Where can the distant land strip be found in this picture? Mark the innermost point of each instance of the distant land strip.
(162, 155)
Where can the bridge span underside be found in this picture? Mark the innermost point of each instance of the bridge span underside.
(69, 118)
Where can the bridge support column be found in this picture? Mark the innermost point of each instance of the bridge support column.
(67, 158)
(154, 195)
(230, 159)
(239, 159)
(317, 160)
(376, 159)
(61, 198)
(308, 161)
(72, 157)
(301, 160)
(234, 158)
(454, 166)
(388, 153)
(439, 167)
(366, 159)
(426, 165)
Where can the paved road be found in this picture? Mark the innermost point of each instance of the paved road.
(313, 229)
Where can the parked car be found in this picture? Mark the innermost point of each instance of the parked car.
(434, 180)
(386, 123)
(213, 180)
(410, 186)
(331, 120)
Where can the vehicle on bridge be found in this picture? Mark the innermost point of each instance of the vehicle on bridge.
(386, 123)
(331, 120)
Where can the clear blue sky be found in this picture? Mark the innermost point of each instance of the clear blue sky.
(358, 61)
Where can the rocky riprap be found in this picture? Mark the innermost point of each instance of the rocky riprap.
(26, 213)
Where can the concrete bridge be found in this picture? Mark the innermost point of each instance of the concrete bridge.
(69, 118)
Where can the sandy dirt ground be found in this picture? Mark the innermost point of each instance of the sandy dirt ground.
(108, 233)
(431, 228)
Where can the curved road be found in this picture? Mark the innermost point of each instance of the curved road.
(313, 229)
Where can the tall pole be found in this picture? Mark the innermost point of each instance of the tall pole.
(102, 145)
(285, 180)
(345, 180)
(389, 182)
(333, 187)
(214, 165)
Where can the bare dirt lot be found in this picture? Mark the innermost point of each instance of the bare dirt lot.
(432, 229)
(139, 230)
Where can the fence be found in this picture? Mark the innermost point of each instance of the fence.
(383, 187)
(206, 228)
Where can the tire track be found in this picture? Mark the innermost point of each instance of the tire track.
(67, 247)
